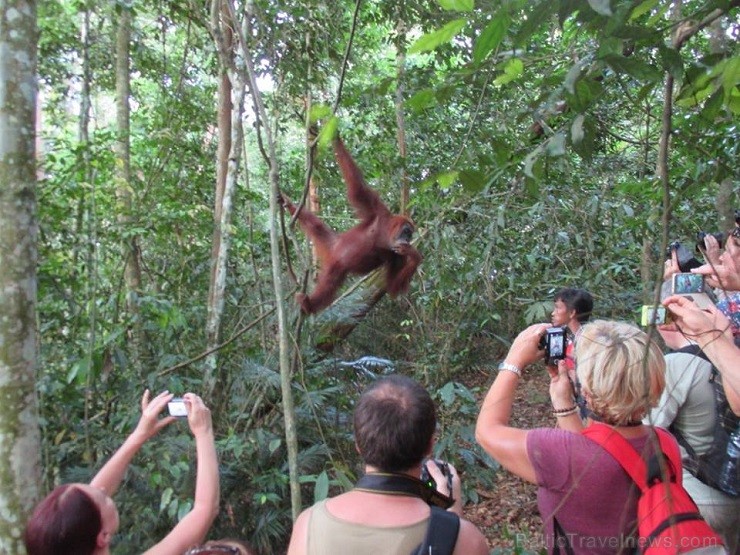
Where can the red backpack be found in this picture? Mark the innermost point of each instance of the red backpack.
(668, 521)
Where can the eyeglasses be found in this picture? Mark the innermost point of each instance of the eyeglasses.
(213, 550)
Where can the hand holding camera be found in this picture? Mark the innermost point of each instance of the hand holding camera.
(443, 477)
(725, 274)
(701, 325)
(562, 388)
(525, 350)
(150, 423)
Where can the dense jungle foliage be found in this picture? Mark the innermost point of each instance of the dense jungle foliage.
(532, 131)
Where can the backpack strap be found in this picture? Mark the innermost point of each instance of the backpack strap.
(561, 539)
(628, 457)
(441, 535)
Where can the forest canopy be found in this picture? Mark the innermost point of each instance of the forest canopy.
(535, 144)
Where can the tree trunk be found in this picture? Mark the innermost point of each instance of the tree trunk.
(286, 382)
(400, 120)
(124, 189)
(229, 123)
(20, 443)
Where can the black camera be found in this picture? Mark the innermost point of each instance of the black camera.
(686, 260)
(553, 342)
(719, 236)
(444, 468)
(700, 240)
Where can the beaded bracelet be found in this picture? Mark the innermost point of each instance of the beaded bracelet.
(564, 412)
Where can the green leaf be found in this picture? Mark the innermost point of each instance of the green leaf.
(432, 40)
(183, 509)
(319, 112)
(344, 480)
(328, 132)
(446, 179)
(731, 76)
(529, 163)
(78, 372)
(447, 393)
(321, 491)
(584, 147)
(424, 98)
(712, 106)
(457, 5)
(491, 37)
(635, 68)
(600, 7)
(165, 499)
(671, 60)
(643, 8)
(274, 445)
(571, 77)
(734, 103)
(513, 69)
(556, 145)
(576, 129)
(472, 181)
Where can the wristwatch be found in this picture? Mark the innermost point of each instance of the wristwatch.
(510, 368)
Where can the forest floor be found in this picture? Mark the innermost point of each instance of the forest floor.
(508, 515)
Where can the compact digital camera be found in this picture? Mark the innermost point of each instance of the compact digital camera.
(177, 408)
(654, 315)
(691, 286)
(553, 342)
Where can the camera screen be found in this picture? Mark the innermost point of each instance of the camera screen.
(688, 283)
(177, 408)
(557, 345)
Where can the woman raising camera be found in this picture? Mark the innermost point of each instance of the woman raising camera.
(584, 496)
(81, 519)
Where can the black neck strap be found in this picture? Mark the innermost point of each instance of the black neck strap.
(402, 484)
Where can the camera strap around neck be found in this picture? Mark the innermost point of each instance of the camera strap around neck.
(401, 484)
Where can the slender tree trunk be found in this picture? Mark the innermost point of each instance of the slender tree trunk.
(86, 214)
(291, 438)
(314, 199)
(20, 443)
(228, 124)
(124, 188)
(400, 119)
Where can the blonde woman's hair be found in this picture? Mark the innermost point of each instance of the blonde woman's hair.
(621, 370)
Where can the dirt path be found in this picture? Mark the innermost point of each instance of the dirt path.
(508, 514)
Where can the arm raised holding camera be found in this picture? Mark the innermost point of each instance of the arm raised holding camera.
(194, 526)
(110, 476)
(710, 329)
(506, 444)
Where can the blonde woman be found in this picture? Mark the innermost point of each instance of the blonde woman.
(584, 496)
